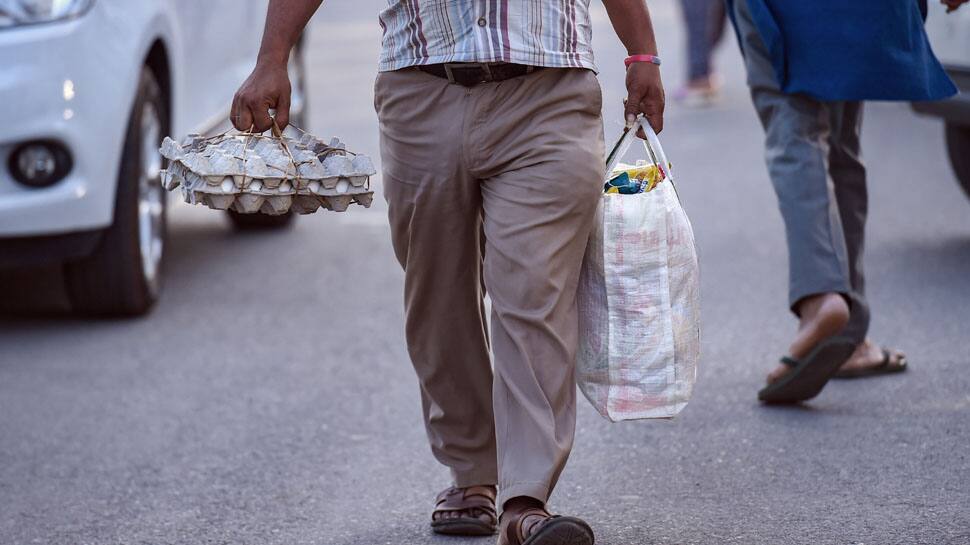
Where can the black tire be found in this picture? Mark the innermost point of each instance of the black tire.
(958, 147)
(260, 221)
(265, 222)
(113, 281)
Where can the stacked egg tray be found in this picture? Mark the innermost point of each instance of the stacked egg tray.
(250, 173)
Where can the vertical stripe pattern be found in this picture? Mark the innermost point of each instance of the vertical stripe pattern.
(554, 33)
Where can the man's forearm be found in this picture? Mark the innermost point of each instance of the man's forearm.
(285, 20)
(645, 94)
(631, 21)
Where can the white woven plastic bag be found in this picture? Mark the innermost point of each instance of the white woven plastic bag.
(639, 299)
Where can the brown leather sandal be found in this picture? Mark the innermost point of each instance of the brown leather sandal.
(535, 526)
(474, 504)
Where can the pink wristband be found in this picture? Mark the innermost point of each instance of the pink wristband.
(652, 59)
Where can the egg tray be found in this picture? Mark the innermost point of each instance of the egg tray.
(252, 173)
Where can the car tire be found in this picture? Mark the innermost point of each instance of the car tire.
(958, 147)
(259, 221)
(122, 277)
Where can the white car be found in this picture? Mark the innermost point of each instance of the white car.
(88, 89)
(950, 38)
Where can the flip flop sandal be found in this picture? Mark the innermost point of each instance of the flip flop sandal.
(471, 502)
(809, 374)
(552, 530)
(886, 367)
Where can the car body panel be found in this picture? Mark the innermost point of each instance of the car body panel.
(950, 37)
(74, 81)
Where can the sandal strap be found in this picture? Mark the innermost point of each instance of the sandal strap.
(515, 534)
(892, 358)
(792, 362)
(481, 498)
(458, 495)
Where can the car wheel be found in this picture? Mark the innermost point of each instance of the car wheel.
(260, 221)
(958, 147)
(122, 276)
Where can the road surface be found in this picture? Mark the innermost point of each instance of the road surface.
(268, 399)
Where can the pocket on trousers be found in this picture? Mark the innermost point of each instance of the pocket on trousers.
(595, 90)
(377, 92)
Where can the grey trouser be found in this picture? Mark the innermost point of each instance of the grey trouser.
(815, 163)
(493, 187)
(704, 20)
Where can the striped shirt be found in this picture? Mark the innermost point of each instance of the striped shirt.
(554, 33)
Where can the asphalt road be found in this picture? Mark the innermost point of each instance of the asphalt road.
(268, 399)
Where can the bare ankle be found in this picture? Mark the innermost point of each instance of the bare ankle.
(830, 303)
(821, 316)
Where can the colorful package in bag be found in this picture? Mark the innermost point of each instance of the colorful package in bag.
(639, 298)
(631, 179)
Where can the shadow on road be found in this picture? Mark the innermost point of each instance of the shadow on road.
(945, 261)
(34, 297)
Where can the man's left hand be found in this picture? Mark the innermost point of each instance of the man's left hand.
(645, 94)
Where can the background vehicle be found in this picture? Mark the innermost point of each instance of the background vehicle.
(950, 37)
(88, 90)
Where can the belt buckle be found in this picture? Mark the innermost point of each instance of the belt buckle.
(450, 67)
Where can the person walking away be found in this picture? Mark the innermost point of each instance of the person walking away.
(704, 21)
(810, 66)
(492, 151)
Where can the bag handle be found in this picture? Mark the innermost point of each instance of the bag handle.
(652, 144)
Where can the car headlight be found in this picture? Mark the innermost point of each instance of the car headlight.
(27, 12)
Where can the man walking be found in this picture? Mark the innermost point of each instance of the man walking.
(492, 151)
(809, 65)
(704, 22)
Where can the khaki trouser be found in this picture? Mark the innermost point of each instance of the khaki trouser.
(493, 187)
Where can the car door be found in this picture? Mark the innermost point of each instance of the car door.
(950, 35)
(220, 39)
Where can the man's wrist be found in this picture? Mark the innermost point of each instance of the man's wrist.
(273, 56)
(650, 59)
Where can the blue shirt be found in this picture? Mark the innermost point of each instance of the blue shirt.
(850, 49)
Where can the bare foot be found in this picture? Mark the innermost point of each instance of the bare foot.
(699, 92)
(869, 355)
(822, 316)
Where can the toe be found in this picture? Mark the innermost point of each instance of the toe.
(777, 373)
(897, 357)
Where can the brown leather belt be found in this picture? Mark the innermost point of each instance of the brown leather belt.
(471, 74)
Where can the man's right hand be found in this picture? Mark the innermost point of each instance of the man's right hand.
(267, 87)
(953, 5)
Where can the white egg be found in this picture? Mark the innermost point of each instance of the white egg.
(343, 186)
